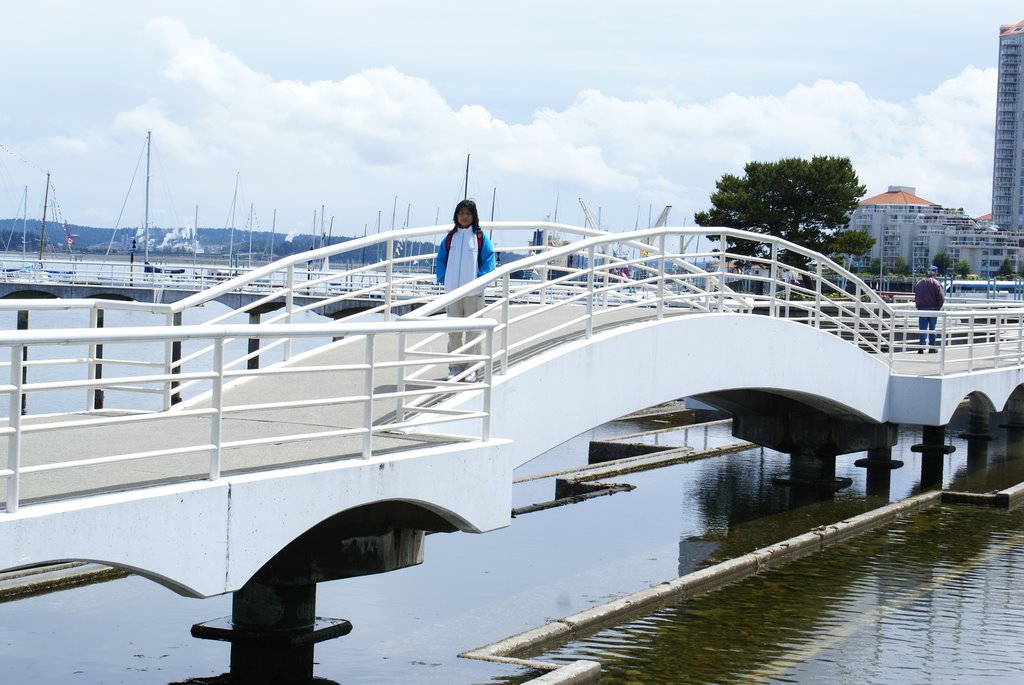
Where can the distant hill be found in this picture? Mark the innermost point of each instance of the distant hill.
(168, 242)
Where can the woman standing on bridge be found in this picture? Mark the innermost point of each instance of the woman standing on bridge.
(464, 254)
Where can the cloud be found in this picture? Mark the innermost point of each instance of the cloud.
(175, 137)
(380, 132)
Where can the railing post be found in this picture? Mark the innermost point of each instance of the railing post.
(998, 341)
(505, 309)
(661, 277)
(172, 357)
(542, 271)
(253, 362)
(970, 345)
(400, 382)
(14, 412)
(1020, 337)
(605, 278)
(857, 308)
(94, 397)
(289, 307)
(217, 403)
(485, 429)
(389, 273)
(891, 336)
(368, 391)
(22, 325)
(817, 296)
(941, 328)
(721, 276)
(590, 292)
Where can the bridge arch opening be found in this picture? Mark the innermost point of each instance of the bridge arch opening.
(373, 538)
(29, 294)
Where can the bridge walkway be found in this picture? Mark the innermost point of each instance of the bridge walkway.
(305, 406)
(316, 411)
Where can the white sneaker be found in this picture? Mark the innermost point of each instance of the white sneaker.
(453, 371)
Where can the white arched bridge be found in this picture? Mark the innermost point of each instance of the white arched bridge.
(295, 449)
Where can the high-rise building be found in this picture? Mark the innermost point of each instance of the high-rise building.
(1008, 159)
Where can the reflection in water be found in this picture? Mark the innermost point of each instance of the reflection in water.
(931, 598)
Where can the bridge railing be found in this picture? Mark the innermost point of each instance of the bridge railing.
(969, 336)
(614, 279)
(643, 271)
(554, 282)
(343, 405)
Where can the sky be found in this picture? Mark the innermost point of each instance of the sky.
(364, 112)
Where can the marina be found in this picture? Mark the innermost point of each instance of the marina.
(235, 428)
(289, 424)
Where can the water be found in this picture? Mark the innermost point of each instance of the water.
(930, 599)
(471, 590)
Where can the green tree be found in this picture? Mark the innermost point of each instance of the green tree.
(943, 261)
(875, 266)
(962, 268)
(900, 267)
(1005, 269)
(802, 201)
(853, 243)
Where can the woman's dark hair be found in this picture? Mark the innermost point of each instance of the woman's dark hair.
(471, 206)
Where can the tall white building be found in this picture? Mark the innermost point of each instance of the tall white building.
(1008, 158)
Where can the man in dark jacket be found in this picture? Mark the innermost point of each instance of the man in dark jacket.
(929, 295)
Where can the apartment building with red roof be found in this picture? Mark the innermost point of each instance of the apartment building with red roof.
(910, 228)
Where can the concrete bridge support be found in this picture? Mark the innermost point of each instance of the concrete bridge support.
(812, 437)
(977, 433)
(932, 448)
(1014, 428)
(273, 626)
(880, 465)
(281, 626)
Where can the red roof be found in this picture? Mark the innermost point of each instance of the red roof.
(985, 217)
(896, 198)
(1007, 29)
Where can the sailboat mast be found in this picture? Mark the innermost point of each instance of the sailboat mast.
(195, 237)
(250, 235)
(273, 230)
(42, 225)
(327, 260)
(231, 240)
(494, 195)
(145, 234)
(24, 227)
(465, 193)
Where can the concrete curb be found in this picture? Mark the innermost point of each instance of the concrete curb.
(43, 579)
(1005, 499)
(576, 673)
